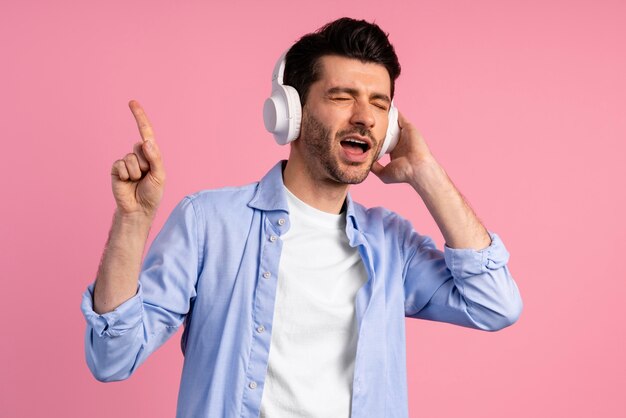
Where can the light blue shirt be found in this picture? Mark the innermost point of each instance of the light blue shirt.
(214, 266)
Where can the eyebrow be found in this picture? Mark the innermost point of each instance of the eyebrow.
(355, 92)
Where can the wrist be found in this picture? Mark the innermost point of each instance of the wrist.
(428, 177)
(134, 220)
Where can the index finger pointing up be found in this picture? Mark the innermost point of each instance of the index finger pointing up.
(145, 129)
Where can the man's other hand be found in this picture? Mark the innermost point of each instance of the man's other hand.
(408, 158)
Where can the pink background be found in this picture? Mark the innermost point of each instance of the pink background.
(523, 102)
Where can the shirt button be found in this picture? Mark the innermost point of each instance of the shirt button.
(267, 275)
(273, 238)
(252, 385)
(260, 329)
(281, 222)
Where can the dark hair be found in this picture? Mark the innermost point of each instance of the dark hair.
(344, 37)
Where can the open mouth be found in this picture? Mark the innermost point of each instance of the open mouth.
(355, 146)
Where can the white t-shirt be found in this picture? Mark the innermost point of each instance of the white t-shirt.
(314, 337)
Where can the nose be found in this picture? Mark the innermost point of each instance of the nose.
(363, 115)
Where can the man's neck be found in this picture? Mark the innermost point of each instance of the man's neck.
(325, 195)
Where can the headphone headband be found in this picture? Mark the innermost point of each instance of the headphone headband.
(279, 70)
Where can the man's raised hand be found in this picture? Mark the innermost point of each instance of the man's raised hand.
(138, 179)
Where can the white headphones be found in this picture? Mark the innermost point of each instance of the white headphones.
(282, 113)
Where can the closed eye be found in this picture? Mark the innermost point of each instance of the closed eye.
(382, 106)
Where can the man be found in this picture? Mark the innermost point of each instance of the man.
(294, 296)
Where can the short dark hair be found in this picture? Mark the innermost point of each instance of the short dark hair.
(344, 37)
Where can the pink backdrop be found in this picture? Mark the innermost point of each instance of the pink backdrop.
(523, 102)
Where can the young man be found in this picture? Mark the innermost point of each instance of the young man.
(294, 296)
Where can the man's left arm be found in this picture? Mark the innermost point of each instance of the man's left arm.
(478, 277)
(413, 163)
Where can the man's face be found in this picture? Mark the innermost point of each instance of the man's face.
(344, 120)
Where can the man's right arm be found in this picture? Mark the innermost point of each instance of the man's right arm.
(118, 274)
(137, 181)
(126, 320)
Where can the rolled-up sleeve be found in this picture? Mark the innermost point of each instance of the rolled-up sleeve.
(115, 323)
(117, 342)
(472, 288)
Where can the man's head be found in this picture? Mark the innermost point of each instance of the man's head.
(343, 37)
(344, 74)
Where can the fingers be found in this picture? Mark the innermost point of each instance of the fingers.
(144, 165)
(127, 168)
(153, 156)
(119, 170)
(377, 168)
(132, 165)
(404, 122)
(145, 129)
(380, 171)
(145, 158)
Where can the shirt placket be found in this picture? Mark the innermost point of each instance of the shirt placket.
(274, 224)
(362, 304)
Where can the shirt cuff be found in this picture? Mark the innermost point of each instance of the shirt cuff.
(465, 263)
(114, 323)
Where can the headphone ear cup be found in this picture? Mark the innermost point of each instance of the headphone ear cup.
(393, 132)
(282, 111)
(278, 115)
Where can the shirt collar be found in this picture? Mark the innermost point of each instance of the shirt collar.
(269, 195)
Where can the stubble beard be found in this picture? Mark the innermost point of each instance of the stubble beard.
(318, 144)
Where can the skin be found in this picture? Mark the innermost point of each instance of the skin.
(351, 98)
(137, 181)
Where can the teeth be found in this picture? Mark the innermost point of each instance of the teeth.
(356, 141)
